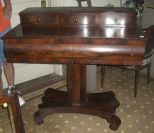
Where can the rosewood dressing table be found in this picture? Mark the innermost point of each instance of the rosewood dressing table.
(77, 37)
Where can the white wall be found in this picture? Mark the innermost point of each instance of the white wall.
(98, 3)
(105, 2)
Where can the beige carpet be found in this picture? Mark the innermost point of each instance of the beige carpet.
(137, 114)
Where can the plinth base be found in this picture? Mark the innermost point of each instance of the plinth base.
(102, 104)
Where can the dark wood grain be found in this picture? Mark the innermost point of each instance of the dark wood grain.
(74, 16)
(75, 45)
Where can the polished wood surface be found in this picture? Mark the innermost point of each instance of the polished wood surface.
(85, 45)
(77, 17)
(77, 37)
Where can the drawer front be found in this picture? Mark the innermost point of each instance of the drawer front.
(39, 19)
(118, 19)
(73, 20)
(81, 19)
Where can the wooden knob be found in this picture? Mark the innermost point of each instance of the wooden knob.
(115, 20)
(76, 20)
(38, 19)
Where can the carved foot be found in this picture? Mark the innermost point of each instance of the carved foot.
(38, 118)
(115, 122)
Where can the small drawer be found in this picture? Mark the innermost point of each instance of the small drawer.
(39, 19)
(71, 20)
(118, 19)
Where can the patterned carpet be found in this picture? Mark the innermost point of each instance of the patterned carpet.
(137, 114)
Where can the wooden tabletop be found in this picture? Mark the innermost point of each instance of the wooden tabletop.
(85, 45)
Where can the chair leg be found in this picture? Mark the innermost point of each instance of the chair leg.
(136, 81)
(89, 3)
(9, 116)
(17, 115)
(102, 75)
(79, 3)
(148, 73)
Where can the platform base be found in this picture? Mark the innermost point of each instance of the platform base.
(102, 104)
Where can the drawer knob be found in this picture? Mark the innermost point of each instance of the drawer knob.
(115, 20)
(76, 20)
(38, 19)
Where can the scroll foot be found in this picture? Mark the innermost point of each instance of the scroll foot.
(37, 118)
(115, 122)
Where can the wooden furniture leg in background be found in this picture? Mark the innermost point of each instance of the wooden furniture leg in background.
(16, 111)
(80, 3)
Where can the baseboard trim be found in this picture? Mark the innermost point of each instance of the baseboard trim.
(38, 83)
(40, 92)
